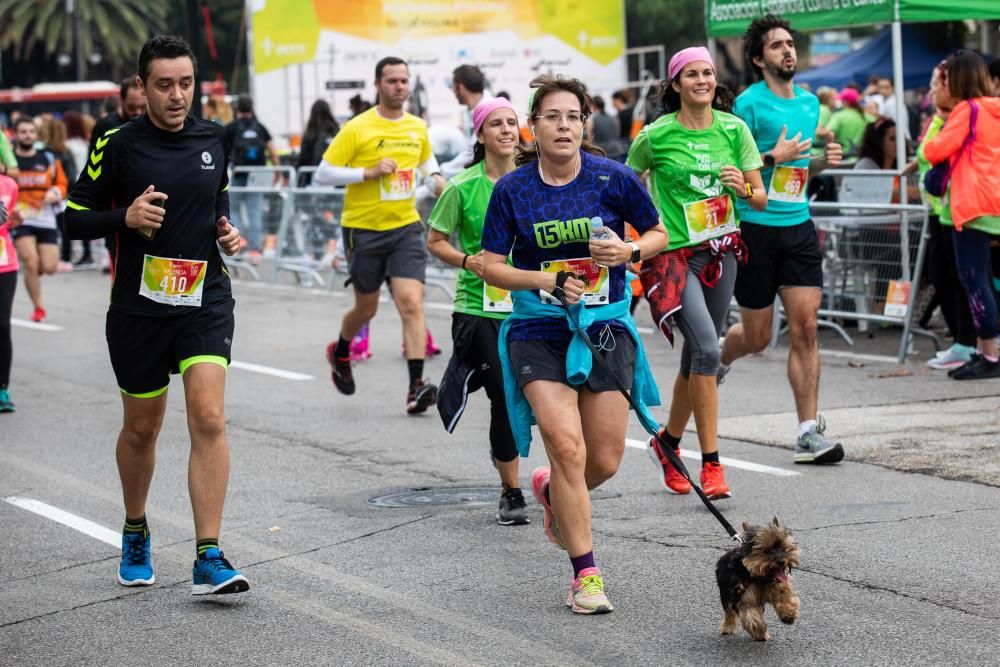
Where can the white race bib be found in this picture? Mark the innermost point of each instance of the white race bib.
(710, 218)
(398, 185)
(175, 282)
(788, 184)
(597, 291)
(496, 300)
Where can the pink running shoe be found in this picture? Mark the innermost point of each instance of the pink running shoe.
(586, 594)
(432, 349)
(540, 487)
(359, 346)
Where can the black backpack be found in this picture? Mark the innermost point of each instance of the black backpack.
(249, 146)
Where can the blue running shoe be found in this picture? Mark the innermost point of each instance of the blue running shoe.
(214, 575)
(136, 568)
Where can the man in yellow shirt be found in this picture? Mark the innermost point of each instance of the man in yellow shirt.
(379, 155)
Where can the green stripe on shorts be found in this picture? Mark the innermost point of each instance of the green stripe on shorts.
(202, 359)
(147, 394)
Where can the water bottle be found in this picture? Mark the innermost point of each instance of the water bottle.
(598, 232)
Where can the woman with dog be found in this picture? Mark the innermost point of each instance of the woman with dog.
(699, 158)
(479, 308)
(541, 216)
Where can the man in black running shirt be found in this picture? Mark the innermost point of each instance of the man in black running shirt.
(159, 185)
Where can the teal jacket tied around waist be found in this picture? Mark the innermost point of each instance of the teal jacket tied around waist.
(527, 305)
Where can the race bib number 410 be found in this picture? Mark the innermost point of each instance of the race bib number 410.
(175, 282)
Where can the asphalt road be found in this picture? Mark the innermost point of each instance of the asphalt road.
(898, 567)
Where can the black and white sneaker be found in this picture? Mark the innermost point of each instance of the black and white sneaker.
(421, 396)
(512, 511)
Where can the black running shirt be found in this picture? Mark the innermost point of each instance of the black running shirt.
(181, 267)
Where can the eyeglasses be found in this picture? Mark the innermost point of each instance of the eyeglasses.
(573, 117)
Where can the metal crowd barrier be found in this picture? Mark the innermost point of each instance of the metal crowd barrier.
(873, 254)
(303, 219)
(259, 203)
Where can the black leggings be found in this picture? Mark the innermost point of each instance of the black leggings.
(944, 276)
(8, 283)
(479, 351)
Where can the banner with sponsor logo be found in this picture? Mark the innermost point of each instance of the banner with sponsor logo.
(310, 49)
(726, 18)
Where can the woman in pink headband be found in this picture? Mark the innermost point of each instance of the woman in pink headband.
(700, 158)
(479, 308)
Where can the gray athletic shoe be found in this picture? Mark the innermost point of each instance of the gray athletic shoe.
(721, 376)
(813, 447)
(512, 510)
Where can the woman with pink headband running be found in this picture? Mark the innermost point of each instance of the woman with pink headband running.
(699, 157)
(479, 308)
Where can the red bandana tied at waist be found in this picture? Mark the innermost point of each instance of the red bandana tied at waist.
(663, 277)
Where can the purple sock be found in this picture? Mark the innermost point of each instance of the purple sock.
(582, 562)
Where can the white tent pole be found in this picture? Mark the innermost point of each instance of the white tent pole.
(902, 119)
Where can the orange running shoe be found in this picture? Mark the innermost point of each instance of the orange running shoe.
(672, 480)
(713, 481)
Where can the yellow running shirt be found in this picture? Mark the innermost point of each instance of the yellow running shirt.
(387, 202)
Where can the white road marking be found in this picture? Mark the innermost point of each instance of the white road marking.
(725, 460)
(267, 370)
(40, 326)
(73, 521)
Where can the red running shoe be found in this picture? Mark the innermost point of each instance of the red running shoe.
(38, 315)
(713, 481)
(673, 481)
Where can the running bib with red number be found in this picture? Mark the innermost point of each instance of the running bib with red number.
(175, 282)
(709, 218)
(398, 185)
(596, 292)
(788, 184)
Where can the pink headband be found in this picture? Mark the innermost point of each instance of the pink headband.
(484, 109)
(687, 56)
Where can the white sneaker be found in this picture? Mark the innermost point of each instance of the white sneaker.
(954, 357)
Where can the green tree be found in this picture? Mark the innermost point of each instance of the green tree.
(116, 29)
(675, 24)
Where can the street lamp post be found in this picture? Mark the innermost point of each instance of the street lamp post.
(77, 42)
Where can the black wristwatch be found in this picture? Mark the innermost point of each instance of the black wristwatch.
(769, 160)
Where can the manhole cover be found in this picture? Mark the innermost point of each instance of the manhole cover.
(429, 497)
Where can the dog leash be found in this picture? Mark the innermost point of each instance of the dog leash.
(673, 459)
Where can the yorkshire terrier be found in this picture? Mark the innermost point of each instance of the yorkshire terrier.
(756, 573)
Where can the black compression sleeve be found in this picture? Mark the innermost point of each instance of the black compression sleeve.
(86, 225)
(222, 205)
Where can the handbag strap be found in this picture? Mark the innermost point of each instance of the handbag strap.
(971, 136)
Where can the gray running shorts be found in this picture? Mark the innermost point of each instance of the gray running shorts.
(374, 256)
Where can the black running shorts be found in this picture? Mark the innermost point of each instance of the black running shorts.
(374, 256)
(145, 351)
(546, 360)
(41, 234)
(779, 257)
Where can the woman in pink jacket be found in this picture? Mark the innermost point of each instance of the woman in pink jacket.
(8, 283)
(970, 140)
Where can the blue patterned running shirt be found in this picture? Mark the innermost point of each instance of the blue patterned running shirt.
(537, 223)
